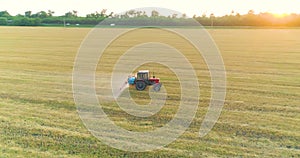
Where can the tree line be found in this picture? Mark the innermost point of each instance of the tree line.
(137, 18)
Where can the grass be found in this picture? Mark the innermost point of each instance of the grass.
(260, 117)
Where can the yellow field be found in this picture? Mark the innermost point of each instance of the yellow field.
(261, 115)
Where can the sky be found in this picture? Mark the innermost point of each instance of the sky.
(190, 7)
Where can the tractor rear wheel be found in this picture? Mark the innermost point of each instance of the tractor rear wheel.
(140, 85)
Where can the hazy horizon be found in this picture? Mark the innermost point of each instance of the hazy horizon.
(194, 7)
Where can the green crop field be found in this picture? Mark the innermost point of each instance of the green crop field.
(260, 118)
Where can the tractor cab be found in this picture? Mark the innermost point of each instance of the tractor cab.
(142, 75)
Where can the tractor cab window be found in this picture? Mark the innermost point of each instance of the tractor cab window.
(142, 76)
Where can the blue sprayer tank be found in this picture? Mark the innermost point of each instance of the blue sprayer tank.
(131, 80)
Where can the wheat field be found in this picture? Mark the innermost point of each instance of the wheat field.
(260, 118)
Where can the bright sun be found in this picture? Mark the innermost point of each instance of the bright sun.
(280, 15)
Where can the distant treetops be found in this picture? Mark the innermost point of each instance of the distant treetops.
(132, 17)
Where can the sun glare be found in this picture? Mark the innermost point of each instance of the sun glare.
(280, 15)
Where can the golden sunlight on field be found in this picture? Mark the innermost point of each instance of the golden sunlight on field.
(260, 118)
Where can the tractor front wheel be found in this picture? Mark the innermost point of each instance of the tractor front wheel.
(140, 85)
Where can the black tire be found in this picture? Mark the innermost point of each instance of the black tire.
(156, 87)
(140, 85)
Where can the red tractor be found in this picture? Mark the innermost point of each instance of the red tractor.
(142, 79)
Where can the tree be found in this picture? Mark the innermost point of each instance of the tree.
(50, 13)
(25, 21)
(232, 13)
(92, 15)
(212, 18)
(154, 13)
(251, 12)
(231, 19)
(3, 21)
(139, 13)
(144, 14)
(103, 13)
(42, 14)
(131, 13)
(174, 15)
(69, 14)
(250, 19)
(74, 13)
(28, 14)
(4, 14)
(111, 14)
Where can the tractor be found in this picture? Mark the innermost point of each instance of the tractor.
(142, 79)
